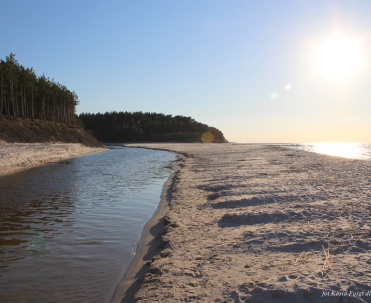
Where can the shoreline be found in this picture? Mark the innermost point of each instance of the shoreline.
(255, 223)
(243, 223)
(150, 244)
(15, 157)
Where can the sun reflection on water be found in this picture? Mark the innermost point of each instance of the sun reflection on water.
(340, 149)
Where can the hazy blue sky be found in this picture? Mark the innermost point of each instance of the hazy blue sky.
(245, 67)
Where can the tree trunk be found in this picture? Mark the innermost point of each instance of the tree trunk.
(32, 109)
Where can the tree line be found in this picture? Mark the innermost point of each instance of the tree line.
(26, 95)
(148, 127)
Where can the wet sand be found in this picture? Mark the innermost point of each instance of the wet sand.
(255, 223)
(18, 156)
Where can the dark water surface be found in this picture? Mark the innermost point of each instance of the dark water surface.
(68, 232)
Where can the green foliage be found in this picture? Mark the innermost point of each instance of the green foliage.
(148, 127)
(24, 94)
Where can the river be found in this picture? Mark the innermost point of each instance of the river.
(68, 231)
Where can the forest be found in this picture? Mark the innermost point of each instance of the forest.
(24, 94)
(148, 127)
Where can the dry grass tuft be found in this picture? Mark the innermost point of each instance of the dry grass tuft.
(326, 264)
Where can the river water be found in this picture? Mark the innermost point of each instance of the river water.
(68, 232)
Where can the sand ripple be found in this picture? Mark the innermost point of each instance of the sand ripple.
(252, 223)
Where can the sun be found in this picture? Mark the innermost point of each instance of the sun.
(338, 58)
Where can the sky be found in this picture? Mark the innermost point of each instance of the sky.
(294, 71)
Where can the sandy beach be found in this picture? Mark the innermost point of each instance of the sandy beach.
(255, 223)
(18, 156)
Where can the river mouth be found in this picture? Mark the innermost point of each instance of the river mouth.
(68, 231)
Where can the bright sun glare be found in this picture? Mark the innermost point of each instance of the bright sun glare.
(338, 58)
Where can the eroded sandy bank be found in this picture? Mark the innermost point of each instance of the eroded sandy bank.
(253, 223)
(18, 156)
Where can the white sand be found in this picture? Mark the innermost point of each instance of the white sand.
(252, 223)
(18, 156)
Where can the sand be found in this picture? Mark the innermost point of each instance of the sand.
(255, 223)
(18, 156)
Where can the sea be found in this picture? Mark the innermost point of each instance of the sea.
(360, 151)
